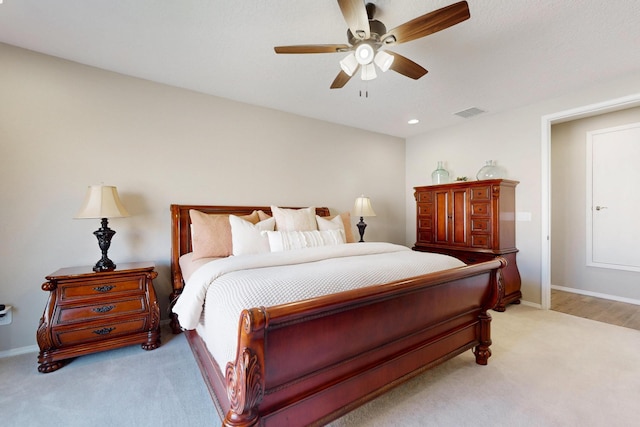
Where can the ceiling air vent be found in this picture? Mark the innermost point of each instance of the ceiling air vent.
(469, 112)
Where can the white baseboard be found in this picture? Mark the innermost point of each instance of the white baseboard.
(596, 294)
(19, 351)
(531, 304)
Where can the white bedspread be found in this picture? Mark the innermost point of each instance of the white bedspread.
(232, 284)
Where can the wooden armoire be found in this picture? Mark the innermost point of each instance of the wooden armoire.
(473, 221)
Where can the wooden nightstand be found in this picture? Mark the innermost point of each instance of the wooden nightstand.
(89, 312)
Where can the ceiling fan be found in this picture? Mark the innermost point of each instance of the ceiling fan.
(367, 36)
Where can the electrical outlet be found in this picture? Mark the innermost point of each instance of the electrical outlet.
(5, 315)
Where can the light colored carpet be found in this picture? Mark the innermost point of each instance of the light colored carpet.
(547, 369)
(119, 388)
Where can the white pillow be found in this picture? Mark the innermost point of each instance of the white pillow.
(330, 224)
(246, 238)
(287, 240)
(295, 219)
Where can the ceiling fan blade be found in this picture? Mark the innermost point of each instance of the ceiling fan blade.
(313, 48)
(341, 79)
(405, 66)
(355, 14)
(427, 24)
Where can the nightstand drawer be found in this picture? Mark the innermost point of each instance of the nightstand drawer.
(98, 332)
(112, 288)
(84, 313)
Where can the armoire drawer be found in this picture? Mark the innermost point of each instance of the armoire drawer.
(481, 241)
(480, 224)
(480, 209)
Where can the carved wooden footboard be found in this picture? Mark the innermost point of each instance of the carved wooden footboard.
(309, 362)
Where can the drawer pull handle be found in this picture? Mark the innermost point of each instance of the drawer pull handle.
(105, 288)
(105, 309)
(103, 331)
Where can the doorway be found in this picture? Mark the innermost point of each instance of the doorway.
(547, 122)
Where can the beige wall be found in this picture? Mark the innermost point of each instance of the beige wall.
(568, 216)
(64, 126)
(514, 139)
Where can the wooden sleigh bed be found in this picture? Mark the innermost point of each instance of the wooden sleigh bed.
(310, 362)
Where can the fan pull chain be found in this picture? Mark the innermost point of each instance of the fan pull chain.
(366, 90)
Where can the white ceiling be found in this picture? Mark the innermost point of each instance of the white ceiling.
(508, 54)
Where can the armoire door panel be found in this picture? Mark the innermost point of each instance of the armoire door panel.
(441, 199)
(457, 217)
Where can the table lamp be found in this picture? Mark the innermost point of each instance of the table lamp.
(102, 201)
(362, 208)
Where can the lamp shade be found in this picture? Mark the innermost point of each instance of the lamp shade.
(362, 207)
(349, 64)
(383, 60)
(102, 201)
(368, 72)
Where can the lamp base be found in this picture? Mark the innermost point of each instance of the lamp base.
(104, 265)
(104, 235)
(361, 226)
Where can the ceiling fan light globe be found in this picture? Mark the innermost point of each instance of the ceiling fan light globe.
(364, 54)
(383, 60)
(349, 64)
(368, 72)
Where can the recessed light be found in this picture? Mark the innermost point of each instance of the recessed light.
(413, 121)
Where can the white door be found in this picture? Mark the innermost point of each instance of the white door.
(613, 197)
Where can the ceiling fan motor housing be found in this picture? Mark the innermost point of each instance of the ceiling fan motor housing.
(376, 28)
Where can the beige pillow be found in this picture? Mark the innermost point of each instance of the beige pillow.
(338, 222)
(263, 215)
(295, 219)
(211, 233)
(348, 228)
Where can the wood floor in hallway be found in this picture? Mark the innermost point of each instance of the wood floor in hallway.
(602, 310)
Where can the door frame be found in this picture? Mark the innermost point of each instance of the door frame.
(546, 122)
